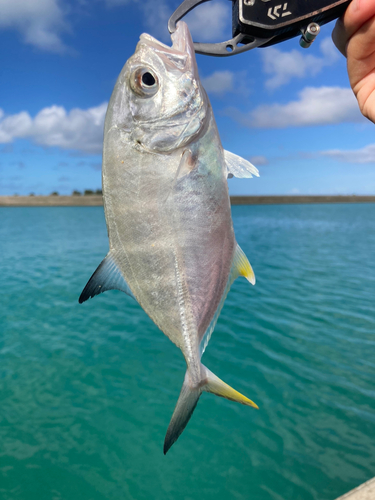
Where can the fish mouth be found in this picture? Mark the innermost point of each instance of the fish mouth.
(182, 42)
(182, 46)
(184, 117)
(147, 39)
(181, 38)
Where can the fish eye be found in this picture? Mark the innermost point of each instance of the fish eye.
(144, 82)
(148, 79)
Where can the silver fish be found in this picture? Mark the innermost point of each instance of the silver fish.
(172, 245)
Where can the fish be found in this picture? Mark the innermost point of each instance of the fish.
(171, 241)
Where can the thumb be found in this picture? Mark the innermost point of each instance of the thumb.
(355, 16)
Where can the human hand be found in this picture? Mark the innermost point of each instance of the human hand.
(354, 36)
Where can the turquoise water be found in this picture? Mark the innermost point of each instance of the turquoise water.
(87, 391)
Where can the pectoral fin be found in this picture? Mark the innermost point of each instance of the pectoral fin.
(185, 166)
(107, 277)
(239, 167)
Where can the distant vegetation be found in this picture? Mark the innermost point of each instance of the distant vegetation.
(88, 192)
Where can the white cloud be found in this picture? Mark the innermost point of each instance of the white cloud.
(329, 50)
(40, 22)
(78, 129)
(363, 155)
(155, 16)
(209, 22)
(258, 160)
(315, 106)
(284, 66)
(219, 82)
(14, 126)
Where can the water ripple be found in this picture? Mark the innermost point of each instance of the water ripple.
(87, 391)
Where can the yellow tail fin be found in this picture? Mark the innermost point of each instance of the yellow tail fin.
(220, 388)
(188, 399)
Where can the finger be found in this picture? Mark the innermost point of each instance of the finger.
(361, 47)
(339, 36)
(357, 14)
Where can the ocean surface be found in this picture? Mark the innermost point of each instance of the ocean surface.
(87, 391)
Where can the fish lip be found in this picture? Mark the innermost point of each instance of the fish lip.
(181, 38)
(182, 42)
(146, 39)
(153, 43)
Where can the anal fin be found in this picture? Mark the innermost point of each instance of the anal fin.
(107, 277)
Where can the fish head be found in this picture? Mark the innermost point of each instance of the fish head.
(163, 105)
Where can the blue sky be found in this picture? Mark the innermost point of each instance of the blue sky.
(287, 109)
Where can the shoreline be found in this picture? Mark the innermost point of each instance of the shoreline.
(97, 200)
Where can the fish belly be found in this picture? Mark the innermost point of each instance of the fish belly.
(172, 237)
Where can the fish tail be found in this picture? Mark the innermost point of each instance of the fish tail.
(183, 411)
(188, 400)
(220, 388)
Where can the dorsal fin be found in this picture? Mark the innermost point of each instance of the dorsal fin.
(239, 167)
(107, 277)
(240, 267)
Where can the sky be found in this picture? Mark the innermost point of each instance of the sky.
(288, 110)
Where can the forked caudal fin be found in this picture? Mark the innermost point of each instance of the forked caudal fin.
(188, 400)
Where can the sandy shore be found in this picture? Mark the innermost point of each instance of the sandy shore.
(287, 200)
(96, 200)
(51, 201)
